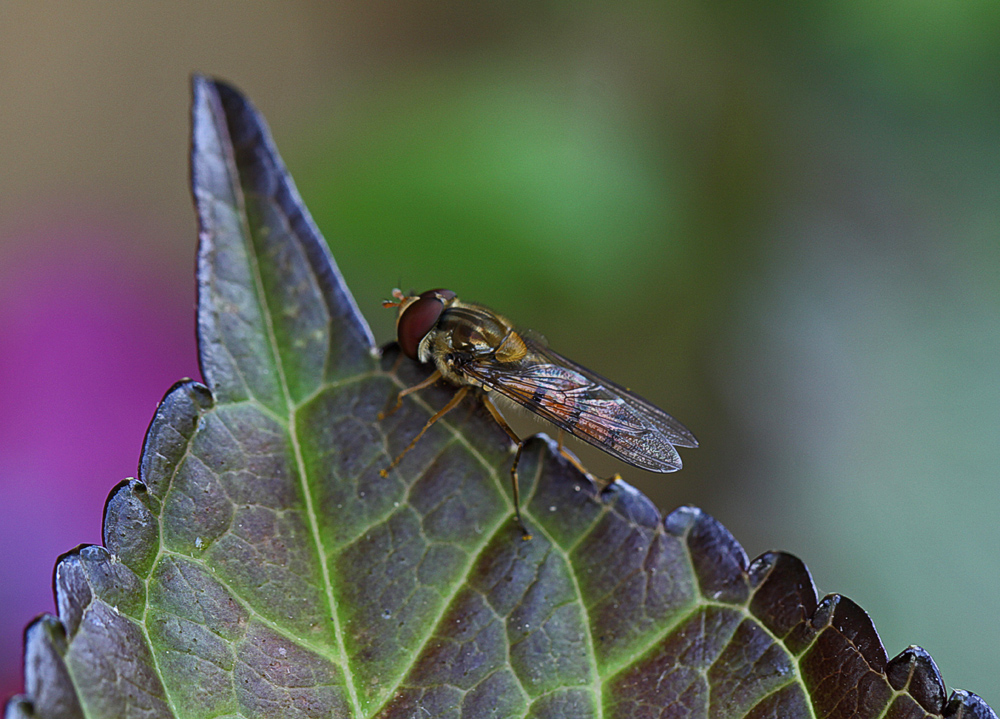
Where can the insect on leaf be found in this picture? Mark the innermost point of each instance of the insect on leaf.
(261, 567)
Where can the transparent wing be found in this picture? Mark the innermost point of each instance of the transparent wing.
(675, 432)
(575, 400)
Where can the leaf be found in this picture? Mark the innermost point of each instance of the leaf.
(260, 566)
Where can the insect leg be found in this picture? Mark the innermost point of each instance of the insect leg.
(575, 461)
(452, 403)
(525, 534)
(434, 377)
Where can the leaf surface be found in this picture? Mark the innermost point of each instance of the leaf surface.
(261, 567)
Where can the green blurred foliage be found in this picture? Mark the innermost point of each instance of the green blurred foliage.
(489, 183)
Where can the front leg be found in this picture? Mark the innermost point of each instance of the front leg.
(434, 377)
(452, 403)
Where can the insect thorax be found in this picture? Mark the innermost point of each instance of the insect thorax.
(466, 333)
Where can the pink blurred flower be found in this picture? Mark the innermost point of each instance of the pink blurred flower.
(92, 334)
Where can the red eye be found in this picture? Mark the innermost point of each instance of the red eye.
(418, 319)
(442, 295)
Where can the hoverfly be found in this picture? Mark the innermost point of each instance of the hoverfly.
(473, 347)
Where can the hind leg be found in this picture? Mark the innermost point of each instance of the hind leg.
(575, 461)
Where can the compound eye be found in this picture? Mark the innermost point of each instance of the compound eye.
(417, 320)
(443, 295)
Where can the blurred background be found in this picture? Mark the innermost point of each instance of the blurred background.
(777, 220)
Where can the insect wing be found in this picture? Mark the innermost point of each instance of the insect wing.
(673, 431)
(586, 409)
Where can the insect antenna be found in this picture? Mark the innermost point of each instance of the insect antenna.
(397, 300)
